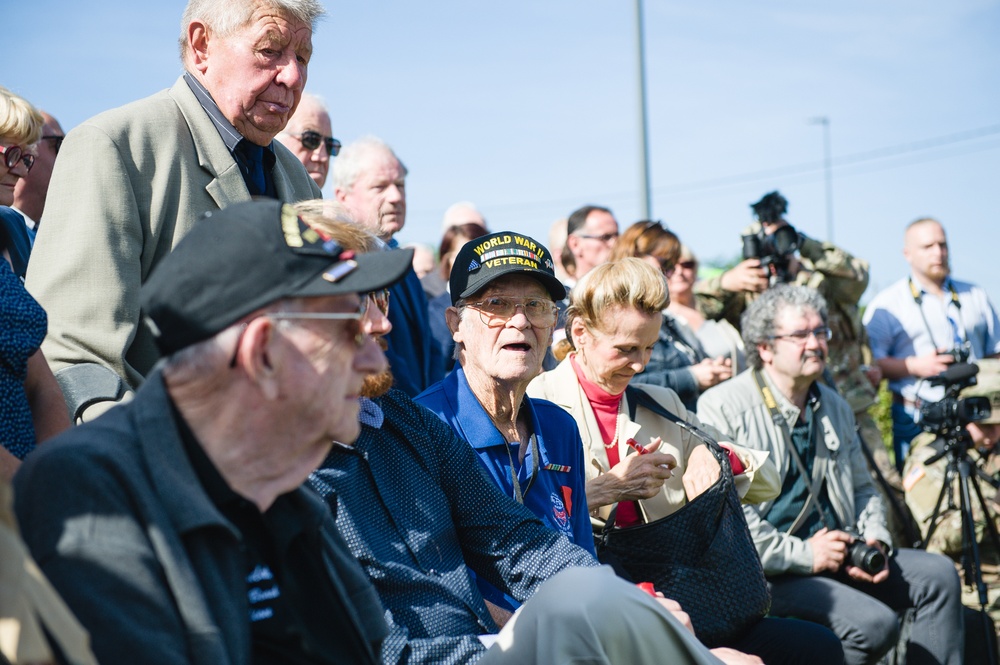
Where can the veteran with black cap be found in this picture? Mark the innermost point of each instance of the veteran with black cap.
(175, 526)
(503, 292)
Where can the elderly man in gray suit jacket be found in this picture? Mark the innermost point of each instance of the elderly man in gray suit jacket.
(130, 183)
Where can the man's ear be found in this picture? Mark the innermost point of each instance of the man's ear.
(765, 352)
(453, 318)
(198, 38)
(572, 242)
(260, 357)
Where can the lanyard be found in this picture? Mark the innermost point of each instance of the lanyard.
(518, 494)
(813, 485)
(957, 339)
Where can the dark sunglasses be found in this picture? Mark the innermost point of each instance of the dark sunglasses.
(57, 141)
(312, 140)
(13, 154)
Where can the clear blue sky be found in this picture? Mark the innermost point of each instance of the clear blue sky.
(528, 108)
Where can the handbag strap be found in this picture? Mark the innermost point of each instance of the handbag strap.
(636, 396)
(812, 485)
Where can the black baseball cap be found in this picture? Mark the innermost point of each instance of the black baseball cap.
(248, 255)
(484, 259)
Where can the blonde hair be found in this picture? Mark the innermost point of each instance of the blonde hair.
(332, 218)
(20, 122)
(628, 283)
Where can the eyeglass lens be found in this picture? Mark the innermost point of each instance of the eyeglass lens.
(822, 334)
(312, 140)
(13, 154)
(496, 311)
(57, 141)
(381, 300)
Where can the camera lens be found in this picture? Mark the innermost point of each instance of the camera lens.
(867, 558)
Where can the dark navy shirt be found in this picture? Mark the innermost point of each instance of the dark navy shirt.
(418, 512)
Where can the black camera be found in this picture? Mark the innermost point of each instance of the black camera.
(951, 413)
(866, 557)
(960, 353)
(774, 250)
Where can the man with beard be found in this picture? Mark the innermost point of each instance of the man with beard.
(923, 323)
(828, 509)
(417, 514)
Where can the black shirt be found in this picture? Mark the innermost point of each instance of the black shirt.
(294, 617)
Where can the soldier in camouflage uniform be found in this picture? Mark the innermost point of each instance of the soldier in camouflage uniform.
(923, 483)
(923, 486)
(841, 279)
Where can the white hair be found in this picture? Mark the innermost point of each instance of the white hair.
(353, 159)
(226, 17)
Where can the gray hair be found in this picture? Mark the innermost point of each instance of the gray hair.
(353, 159)
(226, 17)
(757, 322)
(203, 359)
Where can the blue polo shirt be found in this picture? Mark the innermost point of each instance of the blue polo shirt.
(556, 494)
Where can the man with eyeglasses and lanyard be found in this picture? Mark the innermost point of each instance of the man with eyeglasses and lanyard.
(923, 323)
(309, 135)
(130, 182)
(828, 508)
(175, 526)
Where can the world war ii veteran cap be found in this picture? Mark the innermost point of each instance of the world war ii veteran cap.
(988, 386)
(248, 255)
(484, 259)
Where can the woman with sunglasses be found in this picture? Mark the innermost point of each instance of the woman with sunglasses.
(717, 338)
(678, 360)
(31, 405)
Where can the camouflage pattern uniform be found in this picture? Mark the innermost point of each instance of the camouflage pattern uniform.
(841, 279)
(923, 483)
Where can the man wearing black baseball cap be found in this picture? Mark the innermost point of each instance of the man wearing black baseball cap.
(179, 531)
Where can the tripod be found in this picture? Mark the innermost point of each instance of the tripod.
(957, 443)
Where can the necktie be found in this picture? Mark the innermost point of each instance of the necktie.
(253, 155)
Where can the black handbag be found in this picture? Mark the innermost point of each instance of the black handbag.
(702, 556)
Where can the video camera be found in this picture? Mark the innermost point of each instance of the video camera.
(950, 414)
(775, 249)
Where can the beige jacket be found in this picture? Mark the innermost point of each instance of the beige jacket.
(736, 408)
(759, 483)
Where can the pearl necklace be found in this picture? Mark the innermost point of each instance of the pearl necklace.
(618, 427)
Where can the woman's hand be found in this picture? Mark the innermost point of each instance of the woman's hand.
(701, 473)
(635, 477)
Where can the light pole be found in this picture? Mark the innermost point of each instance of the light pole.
(828, 172)
(643, 121)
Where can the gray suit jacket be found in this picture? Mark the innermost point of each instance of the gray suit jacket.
(127, 186)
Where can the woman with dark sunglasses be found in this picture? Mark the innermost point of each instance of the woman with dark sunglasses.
(678, 360)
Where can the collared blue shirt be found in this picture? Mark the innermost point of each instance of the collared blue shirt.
(898, 327)
(556, 493)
